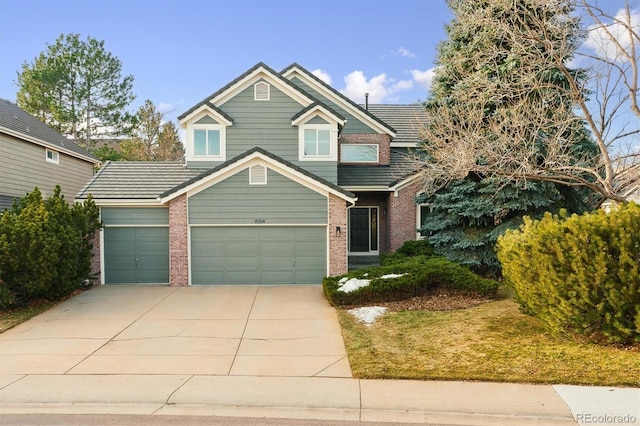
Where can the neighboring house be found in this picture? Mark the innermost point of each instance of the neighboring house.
(284, 180)
(34, 155)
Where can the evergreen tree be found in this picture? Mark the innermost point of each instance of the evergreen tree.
(483, 86)
(77, 87)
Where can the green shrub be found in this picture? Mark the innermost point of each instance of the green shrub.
(410, 248)
(580, 273)
(45, 249)
(418, 275)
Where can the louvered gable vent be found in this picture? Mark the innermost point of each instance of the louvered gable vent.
(261, 91)
(258, 175)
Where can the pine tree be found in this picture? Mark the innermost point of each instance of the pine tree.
(483, 82)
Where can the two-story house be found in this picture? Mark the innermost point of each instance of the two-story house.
(32, 154)
(284, 178)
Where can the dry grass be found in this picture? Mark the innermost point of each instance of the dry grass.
(491, 342)
(11, 318)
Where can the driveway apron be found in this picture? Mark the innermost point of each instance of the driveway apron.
(200, 330)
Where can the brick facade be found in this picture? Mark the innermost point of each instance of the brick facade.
(383, 141)
(178, 242)
(96, 258)
(337, 241)
(402, 216)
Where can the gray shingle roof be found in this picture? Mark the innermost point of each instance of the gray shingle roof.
(17, 120)
(406, 119)
(136, 179)
(402, 165)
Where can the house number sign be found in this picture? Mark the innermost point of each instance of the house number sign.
(261, 221)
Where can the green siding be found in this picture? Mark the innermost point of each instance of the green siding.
(267, 124)
(136, 255)
(206, 120)
(280, 201)
(134, 216)
(353, 125)
(258, 255)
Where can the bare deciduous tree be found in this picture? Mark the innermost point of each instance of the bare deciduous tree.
(516, 103)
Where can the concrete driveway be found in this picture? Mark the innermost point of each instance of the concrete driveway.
(200, 330)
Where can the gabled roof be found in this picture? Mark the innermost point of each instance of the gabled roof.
(337, 97)
(242, 79)
(407, 119)
(16, 122)
(141, 181)
(314, 109)
(241, 160)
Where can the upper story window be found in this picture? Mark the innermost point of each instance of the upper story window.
(261, 91)
(359, 153)
(206, 142)
(318, 142)
(52, 156)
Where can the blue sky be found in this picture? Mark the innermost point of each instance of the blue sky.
(180, 51)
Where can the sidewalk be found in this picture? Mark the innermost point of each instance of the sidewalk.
(251, 352)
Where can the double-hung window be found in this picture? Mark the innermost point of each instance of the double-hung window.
(52, 156)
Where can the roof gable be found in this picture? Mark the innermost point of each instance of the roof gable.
(247, 159)
(295, 70)
(258, 72)
(18, 123)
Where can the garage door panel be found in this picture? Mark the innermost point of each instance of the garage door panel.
(136, 255)
(254, 255)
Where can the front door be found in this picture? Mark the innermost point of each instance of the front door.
(363, 229)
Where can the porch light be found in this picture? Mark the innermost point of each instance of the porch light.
(338, 231)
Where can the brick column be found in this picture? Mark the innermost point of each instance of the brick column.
(402, 216)
(337, 242)
(178, 242)
(96, 270)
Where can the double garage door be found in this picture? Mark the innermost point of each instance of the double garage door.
(219, 255)
(258, 255)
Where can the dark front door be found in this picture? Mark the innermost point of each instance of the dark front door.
(359, 229)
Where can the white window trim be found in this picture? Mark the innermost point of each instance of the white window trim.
(377, 160)
(253, 181)
(190, 145)
(333, 142)
(55, 156)
(418, 222)
(255, 91)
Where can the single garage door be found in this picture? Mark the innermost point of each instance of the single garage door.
(136, 255)
(258, 255)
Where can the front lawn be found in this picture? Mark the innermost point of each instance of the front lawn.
(490, 342)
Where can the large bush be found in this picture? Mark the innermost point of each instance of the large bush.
(579, 273)
(45, 247)
(410, 277)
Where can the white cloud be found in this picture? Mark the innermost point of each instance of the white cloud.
(322, 75)
(405, 53)
(600, 41)
(423, 78)
(380, 88)
(165, 107)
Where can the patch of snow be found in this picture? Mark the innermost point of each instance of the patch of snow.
(388, 276)
(353, 284)
(367, 314)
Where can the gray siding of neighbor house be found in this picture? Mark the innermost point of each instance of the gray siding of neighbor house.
(353, 125)
(23, 166)
(267, 124)
(280, 201)
(134, 215)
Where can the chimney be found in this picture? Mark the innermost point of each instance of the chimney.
(366, 101)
